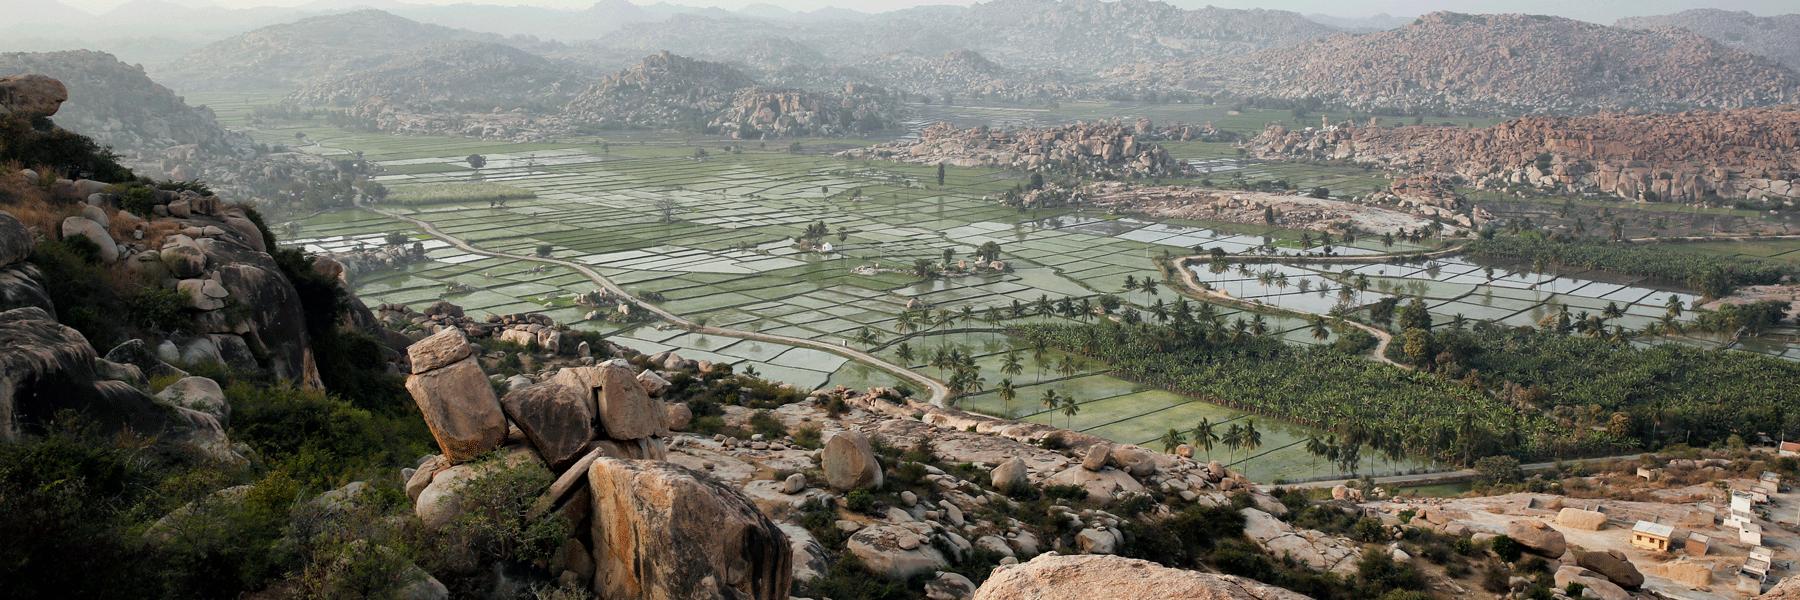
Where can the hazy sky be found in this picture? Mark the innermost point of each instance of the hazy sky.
(1593, 10)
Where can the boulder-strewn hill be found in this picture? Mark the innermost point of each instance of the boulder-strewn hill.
(667, 91)
(459, 75)
(663, 91)
(1074, 35)
(119, 106)
(1108, 149)
(1748, 153)
(1772, 37)
(1448, 62)
(964, 74)
(293, 53)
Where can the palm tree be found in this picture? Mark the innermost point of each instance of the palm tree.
(1204, 436)
(1040, 356)
(1250, 440)
(1067, 366)
(922, 268)
(1007, 392)
(1010, 365)
(905, 352)
(1041, 305)
(965, 314)
(1050, 399)
(904, 323)
(866, 336)
(1159, 311)
(1259, 325)
(1069, 409)
(1234, 436)
(1319, 331)
(1316, 448)
(1148, 286)
(1170, 440)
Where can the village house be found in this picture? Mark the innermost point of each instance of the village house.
(1655, 537)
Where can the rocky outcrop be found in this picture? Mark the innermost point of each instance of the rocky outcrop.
(1612, 564)
(1315, 549)
(761, 113)
(1108, 149)
(1593, 583)
(1052, 577)
(897, 551)
(558, 420)
(1537, 537)
(850, 463)
(661, 531)
(46, 367)
(118, 105)
(454, 396)
(1686, 157)
(31, 96)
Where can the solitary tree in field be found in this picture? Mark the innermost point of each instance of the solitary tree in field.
(1070, 408)
(666, 206)
(940, 174)
(476, 161)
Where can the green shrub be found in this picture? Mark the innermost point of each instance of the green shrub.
(158, 309)
(808, 437)
(493, 523)
(859, 501)
(768, 425)
(1506, 548)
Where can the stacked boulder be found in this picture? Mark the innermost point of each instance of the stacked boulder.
(643, 527)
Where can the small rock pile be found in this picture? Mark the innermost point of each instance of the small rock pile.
(643, 527)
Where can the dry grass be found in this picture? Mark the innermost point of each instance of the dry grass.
(31, 204)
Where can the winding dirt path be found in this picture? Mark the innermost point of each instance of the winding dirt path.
(940, 394)
(1383, 339)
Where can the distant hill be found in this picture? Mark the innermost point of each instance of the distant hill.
(119, 106)
(963, 74)
(669, 91)
(290, 54)
(664, 91)
(1776, 37)
(454, 76)
(1456, 63)
(1071, 35)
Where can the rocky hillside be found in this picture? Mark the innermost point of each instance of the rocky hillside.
(119, 106)
(453, 76)
(667, 91)
(664, 91)
(1487, 64)
(1772, 37)
(965, 75)
(290, 54)
(1107, 150)
(1683, 157)
(758, 113)
(1071, 35)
